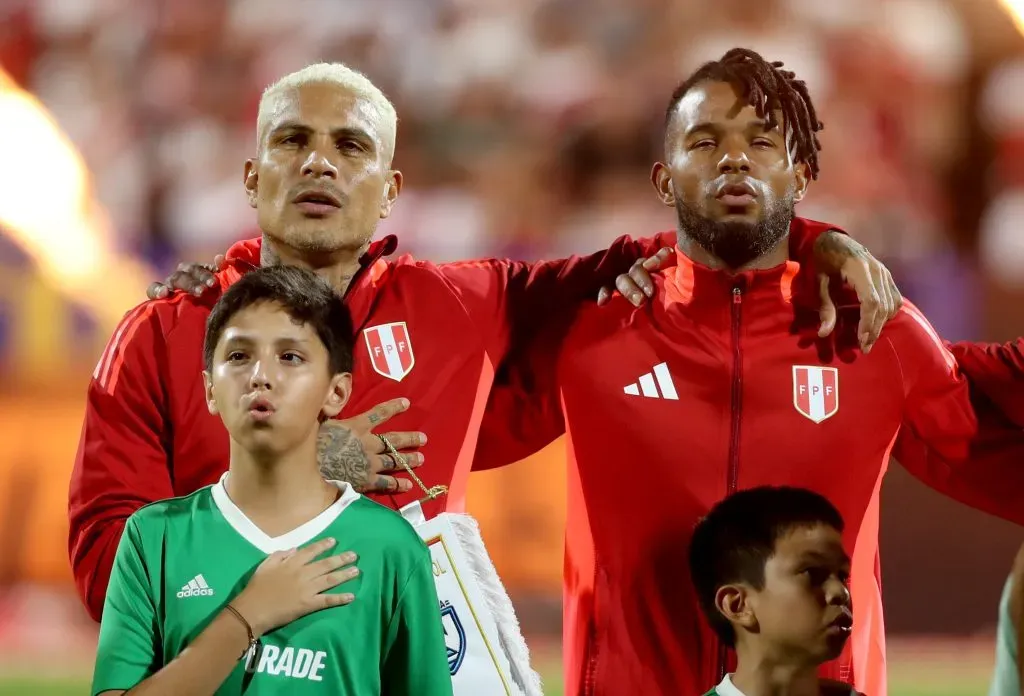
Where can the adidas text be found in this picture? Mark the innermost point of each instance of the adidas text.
(195, 593)
(196, 587)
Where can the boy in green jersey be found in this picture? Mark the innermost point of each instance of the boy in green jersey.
(771, 575)
(241, 587)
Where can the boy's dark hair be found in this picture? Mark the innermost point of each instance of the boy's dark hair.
(736, 539)
(303, 295)
(768, 88)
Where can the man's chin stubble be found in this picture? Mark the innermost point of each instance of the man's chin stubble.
(735, 244)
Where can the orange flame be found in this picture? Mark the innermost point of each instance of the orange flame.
(1014, 8)
(48, 207)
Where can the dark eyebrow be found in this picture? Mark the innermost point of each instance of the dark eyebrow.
(819, 557)
(758, 125)
(237, 338)
(697, 127)
(295, 127)
(291, 341)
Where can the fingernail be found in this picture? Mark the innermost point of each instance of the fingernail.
(329, 541)
(354, 572)
(648, 291)
(348, 597)
(636, 297)
(422, 438)
(209, 282)
(197, 292)
(405, 403)
(349, 557)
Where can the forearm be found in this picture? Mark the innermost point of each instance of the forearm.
(983, 472)
(204, 665)
(996, 373)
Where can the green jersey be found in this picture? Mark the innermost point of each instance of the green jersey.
(1006, 677)
(181, 560)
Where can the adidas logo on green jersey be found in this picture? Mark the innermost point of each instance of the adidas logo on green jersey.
(196, 587)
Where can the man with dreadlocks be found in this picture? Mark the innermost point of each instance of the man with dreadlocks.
(721, 382)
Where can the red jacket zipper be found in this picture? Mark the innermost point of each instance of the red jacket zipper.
(734, 437)
(737, 391)
(591, 674)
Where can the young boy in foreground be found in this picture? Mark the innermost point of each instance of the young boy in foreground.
(771, 574)
(242, 587)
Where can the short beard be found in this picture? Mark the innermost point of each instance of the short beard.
(736, 244)
(320, 243)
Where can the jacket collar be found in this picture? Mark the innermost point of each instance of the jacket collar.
(244, 256)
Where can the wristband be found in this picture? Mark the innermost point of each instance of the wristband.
(251, 649)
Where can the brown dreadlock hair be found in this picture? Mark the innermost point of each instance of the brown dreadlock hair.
(768, 88)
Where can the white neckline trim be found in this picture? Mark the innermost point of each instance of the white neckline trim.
(295, 538)
(727, 688)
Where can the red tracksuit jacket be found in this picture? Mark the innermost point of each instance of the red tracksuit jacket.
(433, 334)
(717, 384)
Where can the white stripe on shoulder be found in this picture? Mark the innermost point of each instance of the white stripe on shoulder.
(102, 372)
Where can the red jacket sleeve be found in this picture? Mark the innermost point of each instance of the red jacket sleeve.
(953, 440)
(122, 461)
(515, 300)
(996, 374)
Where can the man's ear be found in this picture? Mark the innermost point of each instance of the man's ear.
(337, 395)
(211, 401)
(250, 180)
(392, 188)
(803, 180)
(661, 178)
(733, 602)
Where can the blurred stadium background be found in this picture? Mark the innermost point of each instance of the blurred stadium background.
(527, 130)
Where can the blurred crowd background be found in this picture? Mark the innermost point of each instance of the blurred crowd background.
(527, 130)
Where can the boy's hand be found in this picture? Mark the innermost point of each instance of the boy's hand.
(637, 285)
(193, 278)
(349, 450)
(290, 584)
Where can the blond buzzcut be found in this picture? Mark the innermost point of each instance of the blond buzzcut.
(345, 77)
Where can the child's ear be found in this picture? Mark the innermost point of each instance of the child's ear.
(337, 396)
(211, 402)
(733, 602)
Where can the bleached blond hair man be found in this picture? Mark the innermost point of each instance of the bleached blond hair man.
(337, 74)
(321, 179)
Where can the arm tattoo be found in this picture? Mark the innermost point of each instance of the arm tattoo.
(833, 249)
(342, 458)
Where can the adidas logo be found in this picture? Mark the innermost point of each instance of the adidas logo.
(649, 384)
(196, 587)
